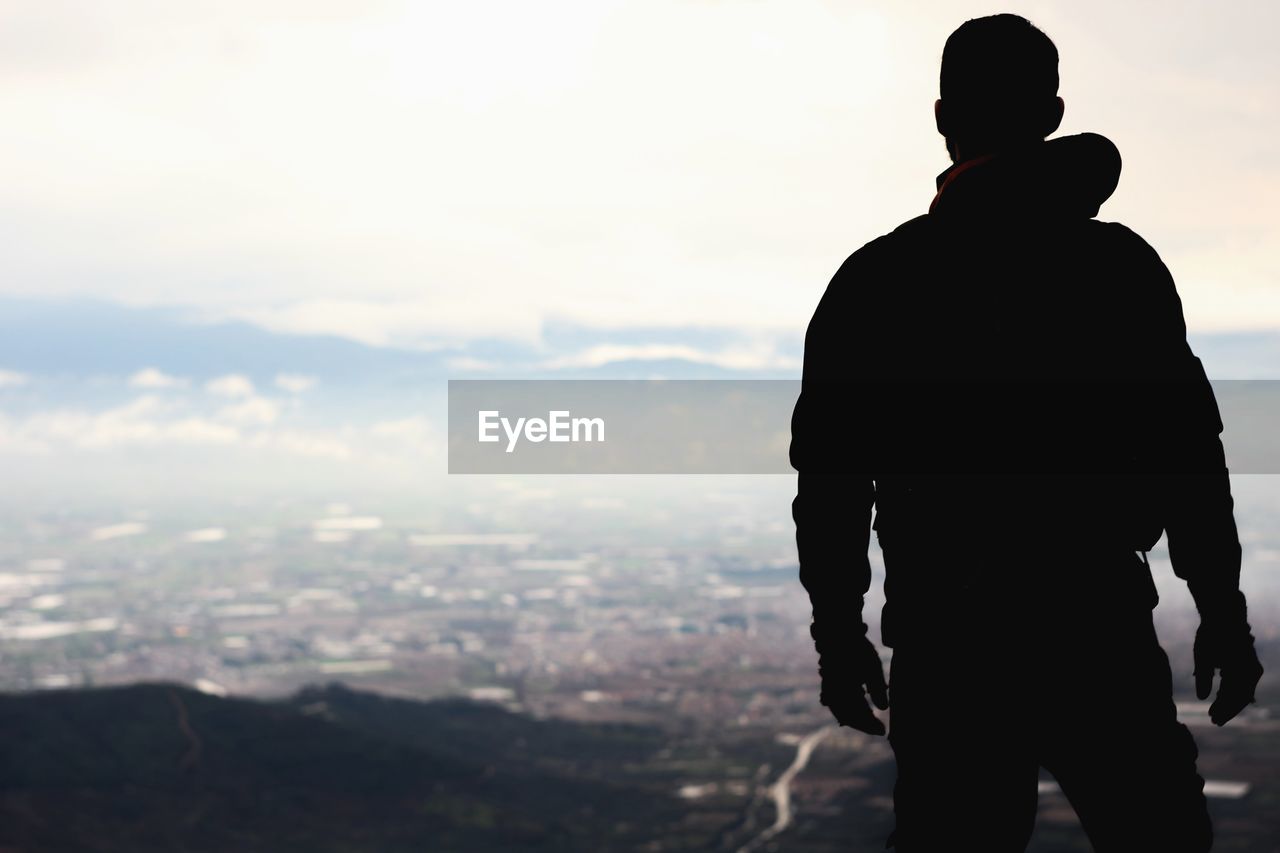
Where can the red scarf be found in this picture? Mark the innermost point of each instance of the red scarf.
(954, 173)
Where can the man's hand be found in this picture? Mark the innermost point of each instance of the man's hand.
(850, 668)
(1226, 646)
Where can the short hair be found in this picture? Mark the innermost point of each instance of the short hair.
(998, 75)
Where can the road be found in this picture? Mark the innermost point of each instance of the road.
(780, 791)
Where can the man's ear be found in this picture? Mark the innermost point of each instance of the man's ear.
(940, 121)
(1054, 117)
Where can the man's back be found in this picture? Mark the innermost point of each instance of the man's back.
(1006, 382)
(1006, 359)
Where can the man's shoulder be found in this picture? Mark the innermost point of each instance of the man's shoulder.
(905, 235)
(913, 227)
(905, 238)
(1122, 235)
(914, 240)
(1090, 236)
(1124, 251)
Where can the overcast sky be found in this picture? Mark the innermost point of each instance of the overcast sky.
(412, 172)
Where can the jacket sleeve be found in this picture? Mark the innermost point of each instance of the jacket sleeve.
(833, 503)
(1194, 483)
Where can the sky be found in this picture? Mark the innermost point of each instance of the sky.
(432, 172)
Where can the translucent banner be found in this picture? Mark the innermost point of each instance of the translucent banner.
(746, 427)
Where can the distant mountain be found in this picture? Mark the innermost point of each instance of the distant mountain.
(91, 338)
(95, 337)
(1239, 355)
(160, 767)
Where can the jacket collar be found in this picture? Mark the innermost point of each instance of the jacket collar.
(1068, 176)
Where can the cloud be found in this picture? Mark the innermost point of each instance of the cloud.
(393, 321)
(153, 378)
(368, 522)
(254, 424)
(295, 383)
(231, 385)
(352, 172)
(251, 411)
(117, 531)
(470, 363)
(412, 429)
(197, 431)
(761, 357)
(314, 443)
(145, 421)
(13, 379)
(206, 534)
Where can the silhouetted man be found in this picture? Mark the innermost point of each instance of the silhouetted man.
(1007, 381)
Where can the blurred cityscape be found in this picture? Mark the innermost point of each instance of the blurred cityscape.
(668, 603)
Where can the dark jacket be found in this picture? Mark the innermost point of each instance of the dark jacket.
(1007, 381)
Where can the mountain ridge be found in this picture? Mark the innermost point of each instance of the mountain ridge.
(161, 766)
(95, 337)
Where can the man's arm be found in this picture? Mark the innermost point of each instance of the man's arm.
(1197, 507)
(833, 504)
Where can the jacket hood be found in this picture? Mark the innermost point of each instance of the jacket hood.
(1067, 176)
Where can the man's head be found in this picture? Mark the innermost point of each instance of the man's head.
(999, 86)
